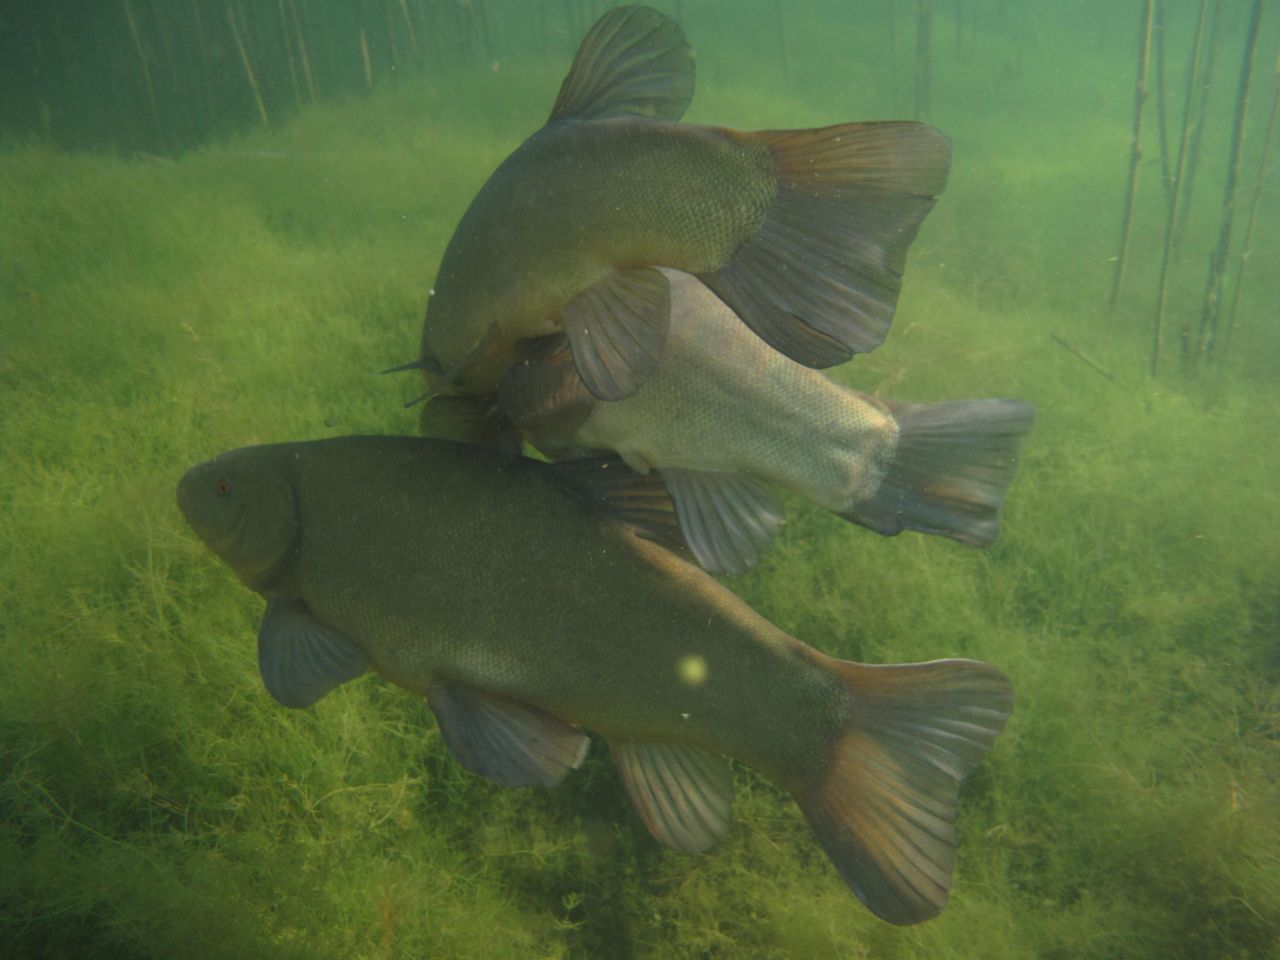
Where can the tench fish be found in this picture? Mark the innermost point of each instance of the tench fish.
(723, 416)
(804, 233)
(524, 617)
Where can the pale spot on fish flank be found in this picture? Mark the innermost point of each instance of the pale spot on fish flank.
(692, 670)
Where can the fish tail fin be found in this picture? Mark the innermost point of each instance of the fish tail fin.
(819, 280)
(884, 808)
(951, 467)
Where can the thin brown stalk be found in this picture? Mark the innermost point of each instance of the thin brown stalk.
(1161, 112)
(1170, 232)
(1218, 268)
(288, 52)
(1201, 113)
(1082, 356)
(1245, 247)
(302, 51)
(364, 58)
(146, 66)
(924, 21)
(1135, 149)
(248, 67)
(413, 34)
(782, 40)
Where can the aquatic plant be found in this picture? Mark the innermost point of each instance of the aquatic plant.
(156, 802)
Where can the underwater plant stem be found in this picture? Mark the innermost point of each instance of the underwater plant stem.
(1218, 267)
(288, 53)
(248, 67)
(413, 34)
(146, 67)
(364, 59)
(1210, 57)
(1170, 232)
(1162, 114)
(1135, 150)
(1082, 356)
(782, 40)
(302, 51)
(893, 50)
(924, 19)
(1245, 249)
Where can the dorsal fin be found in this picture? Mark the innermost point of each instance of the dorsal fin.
(608, 485)
(635, 60)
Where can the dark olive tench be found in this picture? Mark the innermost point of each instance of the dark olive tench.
(803, 233)
(521, 616)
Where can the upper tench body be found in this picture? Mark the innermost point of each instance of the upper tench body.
(803, 232)
(521, 615)
(724, 414)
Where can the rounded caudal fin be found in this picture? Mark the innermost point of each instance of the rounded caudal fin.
(884, 809)
(819, 280)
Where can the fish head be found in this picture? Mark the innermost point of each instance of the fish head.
(243, 505)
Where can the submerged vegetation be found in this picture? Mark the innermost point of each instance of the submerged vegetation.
(157, 802)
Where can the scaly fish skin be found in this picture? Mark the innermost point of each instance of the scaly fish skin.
(520, 613)
(724, 400)
(445, 567)
(576, 200)
(723, 414)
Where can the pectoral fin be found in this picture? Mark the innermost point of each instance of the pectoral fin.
(820, 280)
(509, 742)
(542, 394)
(683, 794)
(617, 329)
(727, 519)
(302, 660)
(633, 61)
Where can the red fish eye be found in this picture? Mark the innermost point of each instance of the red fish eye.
(224, 487)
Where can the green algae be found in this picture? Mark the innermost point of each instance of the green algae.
(157, 803)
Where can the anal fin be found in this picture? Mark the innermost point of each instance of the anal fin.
(617, 329)
(300, 659)
(512, 743)
(683, 793)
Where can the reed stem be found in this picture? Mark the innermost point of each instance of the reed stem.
(1245, 249)
(924, 21)
(146, 69)
(364, 59)
(288, 53)
(248, 67)
(1135, 151)
(1170, 231)
(302, 51)
(782, 40)
(1202, 110)
(1218, 267)
(1161, 111)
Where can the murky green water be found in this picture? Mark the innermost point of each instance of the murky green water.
(210, 238)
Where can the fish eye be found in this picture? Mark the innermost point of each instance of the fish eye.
(223, 487)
